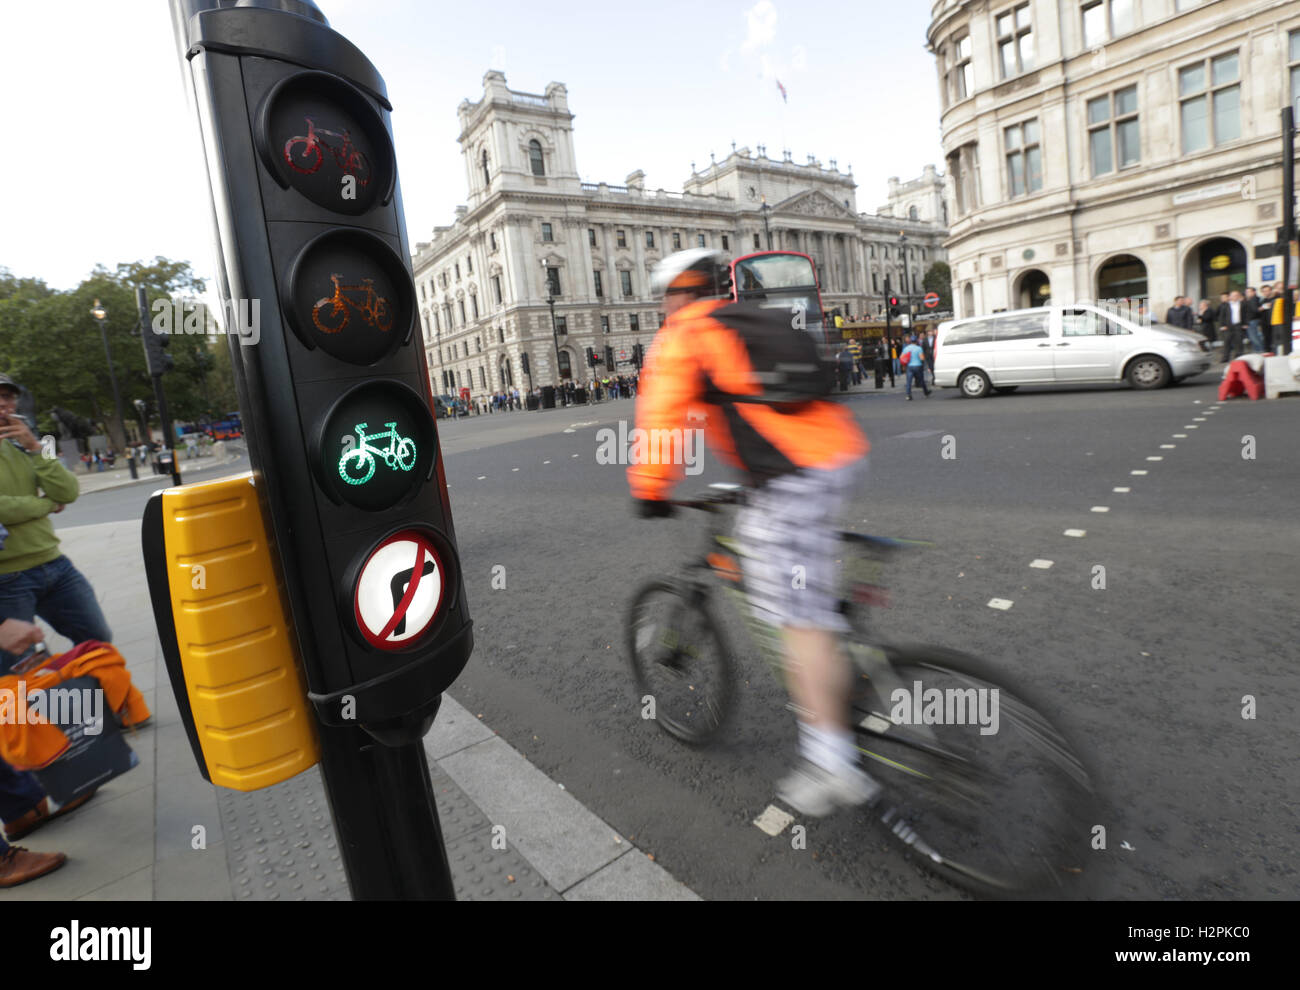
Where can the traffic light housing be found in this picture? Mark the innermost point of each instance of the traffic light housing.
(156, 358)
(636, 356)
(609, 358)
(893, 305)
(335, 390)
(593, 358)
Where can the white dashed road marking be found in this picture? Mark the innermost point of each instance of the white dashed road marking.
(1168, 446)
(546, 462)
(1198, 419)
(773, 820)
(1002, 603)
(1041, 564)
(514, 469)
(482, 477)
(1180, 436)
(1121, 490)
(1137, 472)
(1191, 426)
(1075, 532)
(575, 455)
(1154, 457)
(1101, 508)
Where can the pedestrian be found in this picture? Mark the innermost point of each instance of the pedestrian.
(927, 349)
(35, 578)
(913, 361)
(1252, 320)
(844, 366)
(893, 357)
(1281, 319)
(1207, 321)
(1232, 322)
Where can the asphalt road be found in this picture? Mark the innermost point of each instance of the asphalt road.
(1151, 670)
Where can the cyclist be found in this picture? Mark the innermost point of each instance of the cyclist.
(803, 456)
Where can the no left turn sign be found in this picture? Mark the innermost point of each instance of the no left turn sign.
(399, 591)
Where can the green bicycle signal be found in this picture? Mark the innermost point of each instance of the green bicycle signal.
(357, 465)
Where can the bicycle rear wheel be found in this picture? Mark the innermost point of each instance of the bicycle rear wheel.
(681, 661)
(981, 786)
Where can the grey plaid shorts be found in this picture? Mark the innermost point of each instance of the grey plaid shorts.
(789, 533)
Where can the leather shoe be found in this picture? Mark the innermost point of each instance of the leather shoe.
(19, 865)
(40, 815)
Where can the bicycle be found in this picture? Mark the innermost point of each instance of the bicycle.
(374, 308)
(357, 465)
(349, 158)
(1001, 813)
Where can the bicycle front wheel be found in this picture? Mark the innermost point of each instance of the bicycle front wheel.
(981, 787)
(681, 661)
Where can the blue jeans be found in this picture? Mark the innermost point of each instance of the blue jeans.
(916, 370)
(59, 594)
(1256, 336)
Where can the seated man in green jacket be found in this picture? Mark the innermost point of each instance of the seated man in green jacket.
(35, 578)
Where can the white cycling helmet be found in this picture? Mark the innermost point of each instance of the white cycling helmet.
(699, 271)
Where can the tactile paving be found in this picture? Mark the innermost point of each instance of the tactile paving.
(280, 845)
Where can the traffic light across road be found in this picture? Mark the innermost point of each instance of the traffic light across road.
(335, 392)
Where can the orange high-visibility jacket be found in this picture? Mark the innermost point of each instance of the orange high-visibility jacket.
(695, 361)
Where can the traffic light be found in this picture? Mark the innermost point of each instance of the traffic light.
(156, 357)
(609, 358)
(592, 358)
(636, 356)
(893, 305)
(337, 408)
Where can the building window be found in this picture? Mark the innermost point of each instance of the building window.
(962, 78)
(1210, 102)
(553, 281)
(482, 378)
(437, 325)
(501, 335)
(487, 176)
(622, 238)
(875, 284)
(561, 325)
(469, 264)
(625, 280)
(604, 324)
(1105, 19)
(473, 302)
(457, 266)
(535, 157)
(726, 245)
(1024, 159)
(649, 238)
(462, 311)
(757, 243)
(912, 213)
(492, 240)
(1113, 131)
(1015, 41)
(677, 241)
(634, 323)
(600, 286)
(1293, 58)
(547, 233)
(591, 236)
(566, 370)
(496, 289)
(963, 166)
(699, 240)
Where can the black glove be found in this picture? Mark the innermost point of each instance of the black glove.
(647, 508)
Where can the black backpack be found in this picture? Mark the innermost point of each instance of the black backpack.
(785, 359)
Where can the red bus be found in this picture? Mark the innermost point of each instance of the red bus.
(786, 280)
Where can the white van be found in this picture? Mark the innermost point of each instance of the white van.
(1057, 345)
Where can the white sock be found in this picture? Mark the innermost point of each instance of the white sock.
(829, 749)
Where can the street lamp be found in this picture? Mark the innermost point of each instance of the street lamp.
(100, 313)
(555, 335)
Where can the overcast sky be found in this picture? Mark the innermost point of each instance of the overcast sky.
(104, 164)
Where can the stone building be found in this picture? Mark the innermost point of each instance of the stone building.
(1112, 149)
(539, 267)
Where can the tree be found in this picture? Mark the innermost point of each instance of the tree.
(939, 279)
(52, 344)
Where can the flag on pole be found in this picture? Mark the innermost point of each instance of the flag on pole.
(784, 98)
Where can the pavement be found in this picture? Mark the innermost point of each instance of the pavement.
(119, 477)
(161, 832)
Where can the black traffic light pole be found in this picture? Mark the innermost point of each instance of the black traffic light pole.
(298, 141)
(153, 361)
